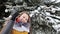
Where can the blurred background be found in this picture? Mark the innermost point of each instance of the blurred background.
(45, 14)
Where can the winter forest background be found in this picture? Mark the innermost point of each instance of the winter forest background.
(45, 14)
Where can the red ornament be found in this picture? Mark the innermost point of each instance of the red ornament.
(17, 20)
